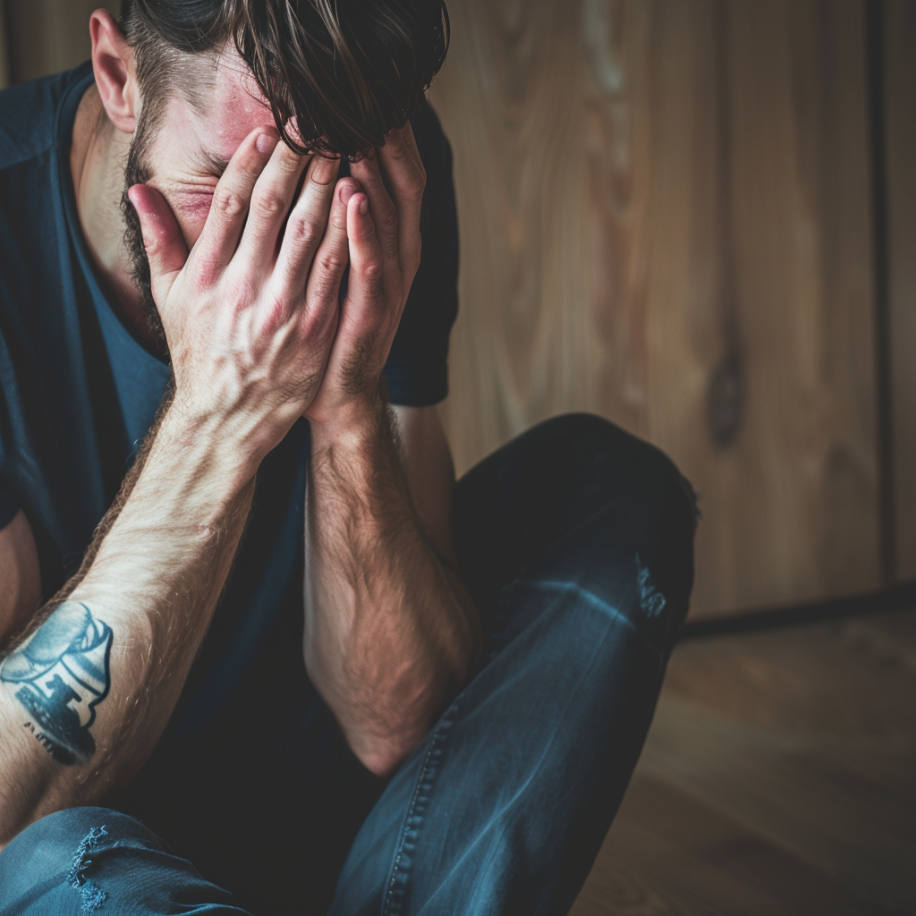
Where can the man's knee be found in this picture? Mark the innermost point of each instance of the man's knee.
(598, 451)
(81, 859)
(633, 513)
(54, 856)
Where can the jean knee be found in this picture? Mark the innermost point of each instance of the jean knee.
(56, 851)
(601, 448)
(630, 502)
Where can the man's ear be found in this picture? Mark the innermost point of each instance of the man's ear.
(115, 73)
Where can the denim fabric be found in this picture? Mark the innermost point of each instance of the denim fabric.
(576, 540)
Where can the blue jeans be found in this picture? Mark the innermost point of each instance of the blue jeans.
(576, 540)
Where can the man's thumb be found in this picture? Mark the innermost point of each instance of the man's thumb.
(162, 239)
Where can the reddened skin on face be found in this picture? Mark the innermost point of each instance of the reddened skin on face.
(190, 147)
(181, 152)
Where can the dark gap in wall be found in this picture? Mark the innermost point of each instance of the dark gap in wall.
(874, 57)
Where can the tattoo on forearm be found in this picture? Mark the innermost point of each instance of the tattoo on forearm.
(63, 673)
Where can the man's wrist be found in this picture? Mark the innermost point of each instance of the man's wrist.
(207, 449)
(361, 421)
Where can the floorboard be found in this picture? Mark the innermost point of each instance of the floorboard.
(779, 777)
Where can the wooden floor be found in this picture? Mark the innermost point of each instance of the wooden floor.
(779, 777)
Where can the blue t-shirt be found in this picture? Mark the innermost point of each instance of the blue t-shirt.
(78, 394)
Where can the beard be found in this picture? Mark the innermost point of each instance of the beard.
(137, 171)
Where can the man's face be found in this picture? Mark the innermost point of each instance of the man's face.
(181, 151)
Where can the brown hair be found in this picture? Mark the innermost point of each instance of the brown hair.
(347, 70)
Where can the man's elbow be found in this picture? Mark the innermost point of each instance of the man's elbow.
(383, 749)
(382, 761)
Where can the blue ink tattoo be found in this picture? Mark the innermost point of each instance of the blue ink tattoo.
(62, 673)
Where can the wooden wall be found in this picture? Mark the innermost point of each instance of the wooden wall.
(666, 220)
(900, 121)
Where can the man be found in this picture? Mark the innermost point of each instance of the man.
(317, 684)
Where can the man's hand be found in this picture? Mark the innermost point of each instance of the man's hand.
(383, 227)
(251, 313)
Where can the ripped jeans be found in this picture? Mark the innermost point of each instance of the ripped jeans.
(576, 541)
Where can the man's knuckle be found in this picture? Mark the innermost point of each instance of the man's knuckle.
(331, 264)
(268, 204)
(241, 290)
(228, 202)
(274, 313)
(305, 230)
(372, 270)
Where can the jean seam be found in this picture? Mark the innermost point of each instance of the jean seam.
(394, 895)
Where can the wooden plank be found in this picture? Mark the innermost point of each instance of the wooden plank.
(665, 220)
(900, 113)
(844, 807)
(668, 853)
(779, 776)
(805, 737)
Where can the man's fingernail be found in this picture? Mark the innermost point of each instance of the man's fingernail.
(265, 142)
(363, 207)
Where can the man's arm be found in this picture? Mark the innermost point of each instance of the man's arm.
(391, 633)
(430, 471)
(84, 699)
(85, 696)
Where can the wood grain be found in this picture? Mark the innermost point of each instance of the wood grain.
(779, 776)
(900, 114)
(665, 220)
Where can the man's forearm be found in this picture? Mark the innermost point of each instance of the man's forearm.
(85, 697)
(390, 633)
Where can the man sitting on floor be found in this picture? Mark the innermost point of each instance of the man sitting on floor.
(244, 603)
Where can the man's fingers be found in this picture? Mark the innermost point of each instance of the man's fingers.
(383, 210)
(306, 226)
(271, 201)
(406, 176)
(367, 260)
(228, 212)
(165, 246)
(331, 259)
(403, 141)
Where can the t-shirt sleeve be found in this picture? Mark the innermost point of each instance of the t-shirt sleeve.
(8, 507)
(417, 368)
